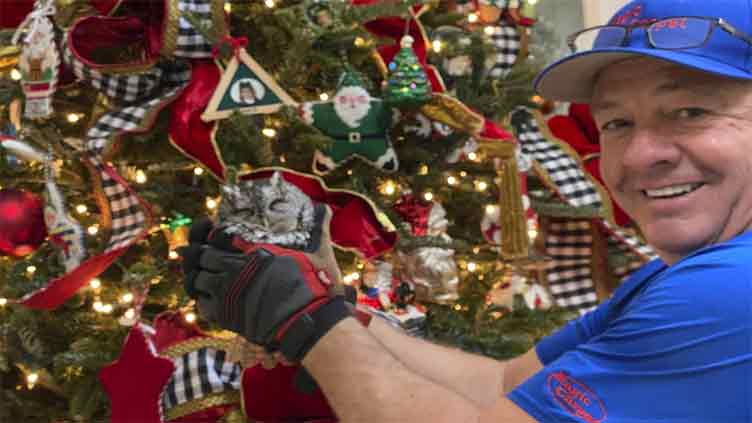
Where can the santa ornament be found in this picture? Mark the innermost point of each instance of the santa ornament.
(357, 122)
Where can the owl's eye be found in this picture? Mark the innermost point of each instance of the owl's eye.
(277, 205)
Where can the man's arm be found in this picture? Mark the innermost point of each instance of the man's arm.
(364, 381)
(479, 379)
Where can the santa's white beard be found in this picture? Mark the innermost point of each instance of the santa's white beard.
(352, 113)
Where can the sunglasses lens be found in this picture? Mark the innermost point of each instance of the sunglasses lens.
(678, 33)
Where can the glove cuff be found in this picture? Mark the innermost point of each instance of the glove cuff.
(307, 327)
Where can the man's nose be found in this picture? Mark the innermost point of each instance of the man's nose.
(649, 149)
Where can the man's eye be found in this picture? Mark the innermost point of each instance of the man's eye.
(615, 124)
(688, 113)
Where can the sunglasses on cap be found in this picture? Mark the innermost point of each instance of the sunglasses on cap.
(672, 33)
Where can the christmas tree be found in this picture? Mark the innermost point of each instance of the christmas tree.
(125, 122)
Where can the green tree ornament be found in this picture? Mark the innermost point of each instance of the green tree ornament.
(408, 85)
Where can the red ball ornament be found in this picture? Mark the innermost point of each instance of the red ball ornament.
(22, 227)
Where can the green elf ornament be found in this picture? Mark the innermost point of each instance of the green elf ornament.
(407, 86)
(358, 123)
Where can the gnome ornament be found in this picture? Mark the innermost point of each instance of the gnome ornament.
(357, 122)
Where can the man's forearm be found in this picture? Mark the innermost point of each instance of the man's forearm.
(364, 382)
(478, 379)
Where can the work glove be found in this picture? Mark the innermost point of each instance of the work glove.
(272, 296)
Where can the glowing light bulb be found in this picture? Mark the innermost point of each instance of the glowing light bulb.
(472, 156)
(173, 255)
(390, 188)
(93, 229)
(73, 117)
(452, 180)
(190, 317)
(126, 298)
(359, 42)
(141, 177)
(532, 233)
(3, 302)
(107, 308)
(423, 170)
(472, 267)
(228, 7)
(463, 174)
(481, 185)
(269, 3)
(428, 196)
(491, 208)
(95, 283)
(31, 269)
(489, 30)
(458, 307)
(81, 208)
(198, 171)
(15, 75)
(472, 18)
(355, 276)
(324, 96)
(32, 378)
(269, 132)
(129, 314)
(436, 46)
(97, 306)
(211, 203)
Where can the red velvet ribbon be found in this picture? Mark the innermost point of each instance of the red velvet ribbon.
(235, 43)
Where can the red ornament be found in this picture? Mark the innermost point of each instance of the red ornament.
(22, 227)
(134, 382)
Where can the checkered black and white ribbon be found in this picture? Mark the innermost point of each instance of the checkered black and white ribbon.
(198, 374)
(190, 43)
(569, 244)
(507, 45)
(573, 187)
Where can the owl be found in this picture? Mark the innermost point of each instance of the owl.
(271, 211)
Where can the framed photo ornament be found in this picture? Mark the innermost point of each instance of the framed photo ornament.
(247, 88)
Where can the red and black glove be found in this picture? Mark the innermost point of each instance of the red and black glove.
(272, 296)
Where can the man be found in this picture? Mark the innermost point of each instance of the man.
(670, 85)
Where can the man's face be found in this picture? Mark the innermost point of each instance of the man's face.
(676, 152)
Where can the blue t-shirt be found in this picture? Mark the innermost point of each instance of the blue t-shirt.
(674, 344)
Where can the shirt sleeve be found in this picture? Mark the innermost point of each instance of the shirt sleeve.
(574, 333)
(681, 351)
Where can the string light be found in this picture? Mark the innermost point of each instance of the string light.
(457, 307)
(389, 188)
(211, 203)
(81, 208)
(97, 306)
(31, 269)
(423, 170)
(173, 255)
(198, 171)
(73, 117)
(491, 208)
(107, 308)
(3, 302)
(228, 7)
(95, 283)
(190, 317)
(472, 267)
(436, 45)
(93, 229)
(481, 185)
(32, 379)
(428, 195)
(269, 3)
(452, 180)
(126, 298)
(324, 96)
(489, 30)
(463, 173)
(472, 18)
(532, 233)
(141, 177)
(349, 172)
(472, 156)
(15, 75)
(269, 132)
(359, 42)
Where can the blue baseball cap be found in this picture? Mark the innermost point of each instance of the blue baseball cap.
(572, 78)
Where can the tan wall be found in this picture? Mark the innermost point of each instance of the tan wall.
(597, 12)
